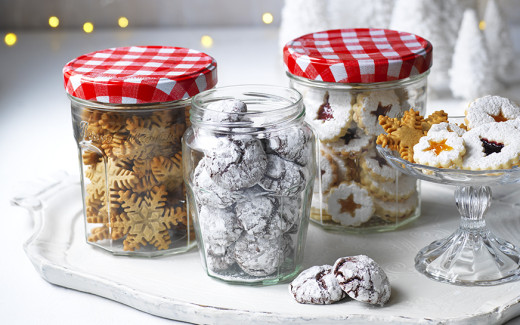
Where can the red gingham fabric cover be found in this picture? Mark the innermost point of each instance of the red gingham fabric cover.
(359, 55)
(140, 74)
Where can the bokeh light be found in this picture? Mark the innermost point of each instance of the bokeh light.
(88, 27)
(482, 25)
(267, 18)
(206, 41)
(122, 22)
(10, 39)
(54, 21)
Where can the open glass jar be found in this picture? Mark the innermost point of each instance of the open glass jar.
(348, 78)
(249, 173)
(130, 107)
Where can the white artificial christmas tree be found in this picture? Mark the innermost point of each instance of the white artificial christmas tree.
(453, 12)
(360, 13)
(498, 39)
(426, 19)
(471, 74)
(300, 17)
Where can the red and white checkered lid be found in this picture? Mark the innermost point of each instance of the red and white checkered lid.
(360, 55)
(140, 74)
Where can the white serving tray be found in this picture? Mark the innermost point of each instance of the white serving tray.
(176, 287)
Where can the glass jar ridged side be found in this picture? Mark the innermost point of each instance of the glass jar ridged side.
(349, 78)
(249, 174)
(130, 108)
(131, 167)
(351, 165)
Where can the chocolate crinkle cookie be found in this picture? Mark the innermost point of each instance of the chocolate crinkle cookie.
(259, 255)
(219, 227)
(208, 192)
(292, 144)
(282, 177)
(229, 110)
(362, 279)
(317, 285)
(236, 163)
(258, 215)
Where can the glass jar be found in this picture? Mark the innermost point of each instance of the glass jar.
(130, 107)
(348, 78)
(249, 174)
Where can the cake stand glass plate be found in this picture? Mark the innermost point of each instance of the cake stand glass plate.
(472, 255)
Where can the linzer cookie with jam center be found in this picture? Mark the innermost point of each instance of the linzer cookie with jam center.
(349, 79)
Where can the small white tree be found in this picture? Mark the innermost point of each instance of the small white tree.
(426, 19)
(300, 17)
(498, 39)
(360, 13)
(471, 74)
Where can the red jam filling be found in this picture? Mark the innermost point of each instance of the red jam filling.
(491, 146)
(325, 112)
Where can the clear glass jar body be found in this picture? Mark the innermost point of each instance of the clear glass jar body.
(131, 172)
(356, 190)
(249, 186)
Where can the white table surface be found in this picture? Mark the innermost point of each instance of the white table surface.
(36, 140)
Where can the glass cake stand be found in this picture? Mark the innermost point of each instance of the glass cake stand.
(472, 255)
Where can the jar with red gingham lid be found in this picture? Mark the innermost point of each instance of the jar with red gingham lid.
(348, 78)
(130, 108)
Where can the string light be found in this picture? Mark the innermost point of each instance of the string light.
(54, 21)
(122, 22)
(88, 27)
(10, 39)
(482, 25)
(206, 41)
(267, 18)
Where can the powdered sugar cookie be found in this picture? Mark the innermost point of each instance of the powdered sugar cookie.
(331, 119)
(228, 110)
(490, 109)
(443, 149)
(401, 188)
(491, 146)
(259, 255)
(347, 168)
(293, 144)
(207, 192)
(392, 210)
(219, 228)
(446, 126)
(349, 204)
(362, 279)
(258, 215)
(282, 177)
(317, 285)
(328, 172)
(217, 263)
(375, 165)
(369, 106)
(352, 143)
(236, 163)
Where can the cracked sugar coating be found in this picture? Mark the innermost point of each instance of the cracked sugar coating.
(207, 192)
(236, 163)
(292, 144)
(362, 279)
(258, 215)
(289, 210)
(228, 110)
(317, 285)
(282, 177)
(259, 255)
(219, 227)
(218, 263)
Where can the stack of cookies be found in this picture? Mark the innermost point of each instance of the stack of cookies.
(134, 192)
(356, 188)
